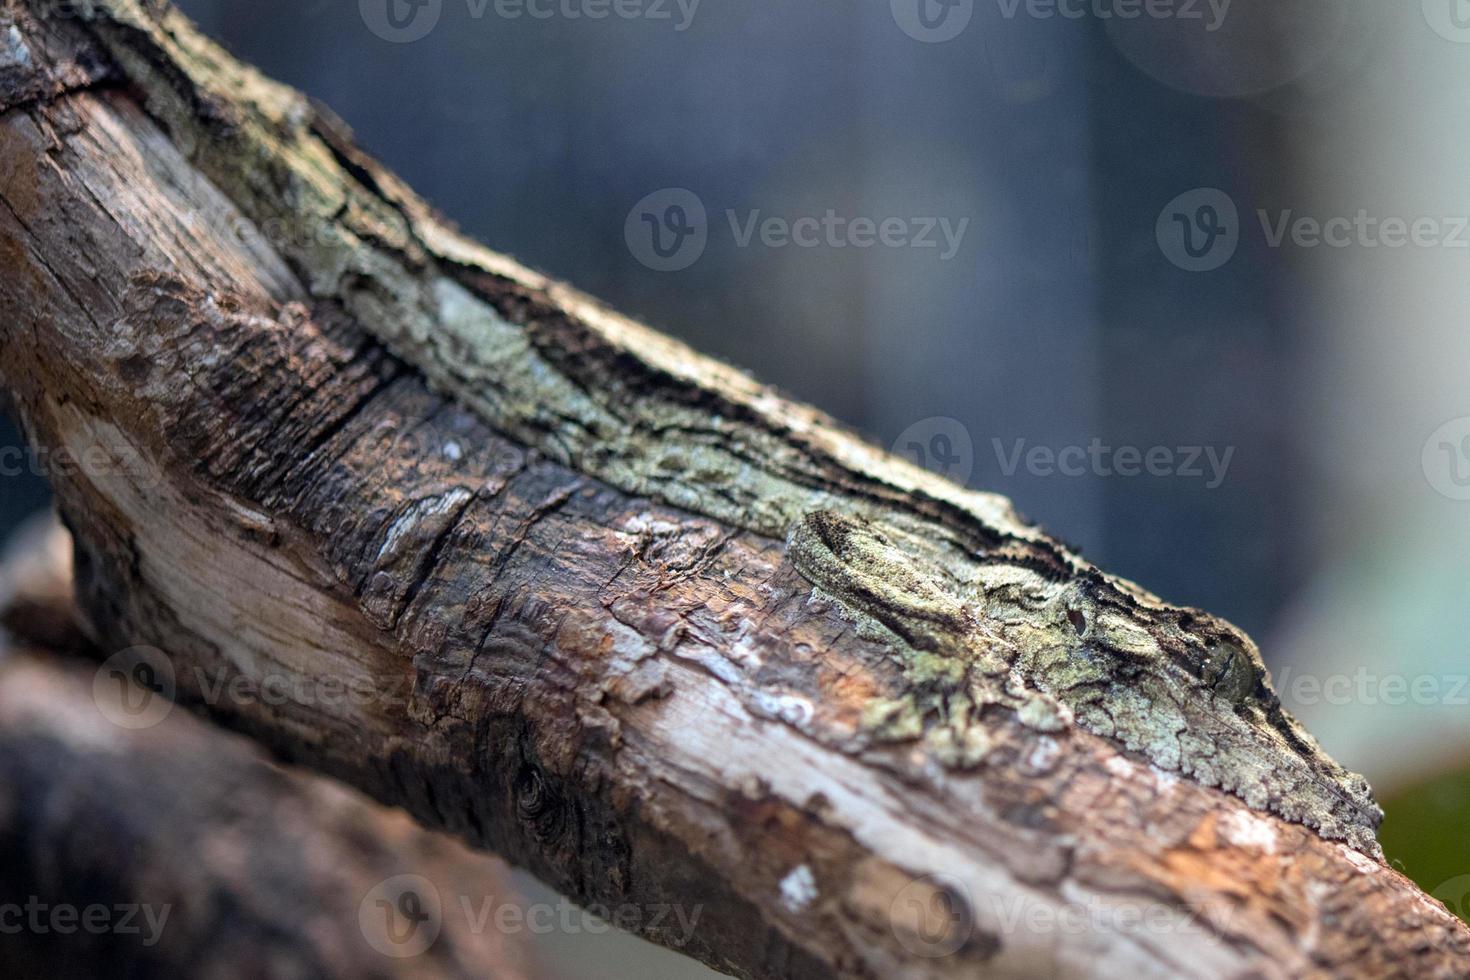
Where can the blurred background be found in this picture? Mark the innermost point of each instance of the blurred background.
(1185, 279)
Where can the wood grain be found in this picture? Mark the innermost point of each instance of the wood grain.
(642, 705)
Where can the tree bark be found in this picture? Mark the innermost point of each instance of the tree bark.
(529, 571)
(228, 866)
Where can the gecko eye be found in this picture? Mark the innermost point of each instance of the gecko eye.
(1078, 620)
(1231, 673)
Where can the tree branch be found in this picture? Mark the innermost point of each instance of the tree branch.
(610, 608)
(152, 844)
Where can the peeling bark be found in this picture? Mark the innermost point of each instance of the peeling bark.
(334, 446)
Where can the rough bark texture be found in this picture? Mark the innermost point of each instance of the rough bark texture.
(197, 856)
(547, 551)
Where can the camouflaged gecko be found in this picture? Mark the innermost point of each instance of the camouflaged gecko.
(1186, 690)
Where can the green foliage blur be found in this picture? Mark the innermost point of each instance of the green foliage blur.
(1426, 836)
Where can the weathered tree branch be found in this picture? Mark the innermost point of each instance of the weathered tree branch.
(609, 608)
(116, 859)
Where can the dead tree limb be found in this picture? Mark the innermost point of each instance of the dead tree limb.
(118, 859)
(609, 608)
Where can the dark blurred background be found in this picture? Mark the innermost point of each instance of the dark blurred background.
(1131, 268)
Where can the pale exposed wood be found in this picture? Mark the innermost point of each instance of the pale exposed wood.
(642, 705)
(193, 855)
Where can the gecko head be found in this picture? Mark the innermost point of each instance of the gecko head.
(1185, 689)
(1237, 735)
(1309, 786)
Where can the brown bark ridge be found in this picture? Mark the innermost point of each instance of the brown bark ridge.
(138, 846)
(551, 636)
